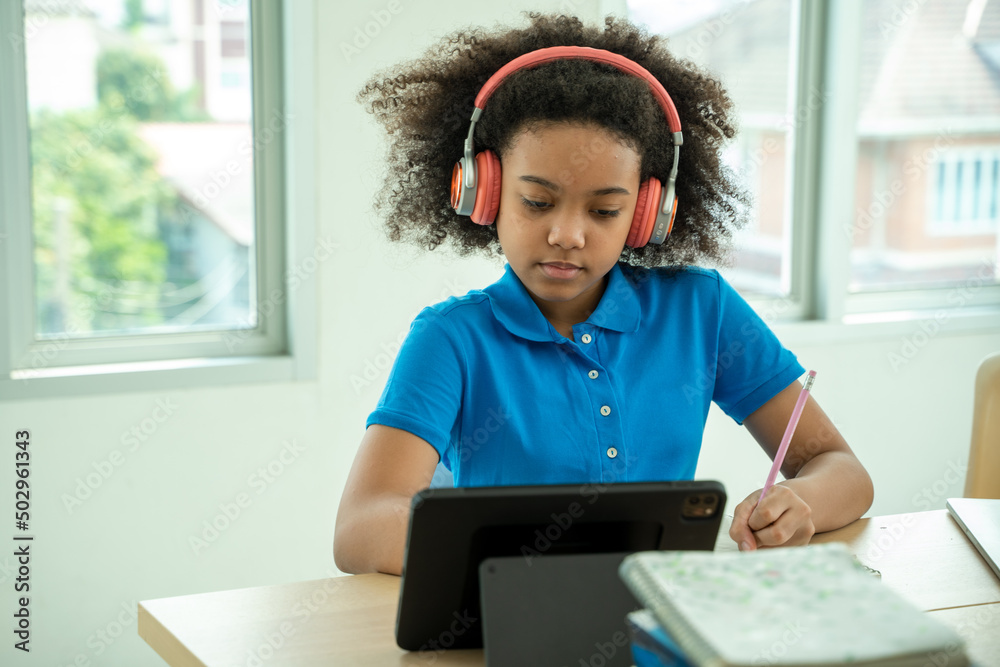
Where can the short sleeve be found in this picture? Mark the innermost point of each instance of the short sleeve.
(424, 391)
(752, 365)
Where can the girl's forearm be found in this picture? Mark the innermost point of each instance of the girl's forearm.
(373, 538)
(836, 487)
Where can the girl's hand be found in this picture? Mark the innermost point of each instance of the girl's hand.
(783, 519)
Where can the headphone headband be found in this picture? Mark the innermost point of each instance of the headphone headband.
(620, 62)
(476, 194)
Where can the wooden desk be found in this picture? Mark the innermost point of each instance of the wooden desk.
(349, 620)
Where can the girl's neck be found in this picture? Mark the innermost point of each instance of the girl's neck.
(562, 315)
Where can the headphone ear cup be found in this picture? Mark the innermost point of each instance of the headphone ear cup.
(487, 188)
(457, 173)
(666, 208)
(644, 217)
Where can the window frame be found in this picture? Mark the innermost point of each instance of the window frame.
(821, 200)
(284, 178)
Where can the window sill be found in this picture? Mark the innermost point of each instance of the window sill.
(917, 326)
(72, 381)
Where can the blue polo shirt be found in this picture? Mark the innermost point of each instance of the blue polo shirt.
(506, 399)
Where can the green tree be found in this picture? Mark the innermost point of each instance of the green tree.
(133, 14)
(92, 169)
(136, 83)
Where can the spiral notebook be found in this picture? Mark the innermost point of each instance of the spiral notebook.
(790, 606)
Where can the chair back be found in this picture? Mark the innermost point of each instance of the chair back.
(983, 477)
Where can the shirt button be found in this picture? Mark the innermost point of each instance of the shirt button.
(612, 452)
(593, 375)
(586, 338)
(605, 410)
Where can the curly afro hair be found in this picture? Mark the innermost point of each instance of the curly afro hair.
(425, 106)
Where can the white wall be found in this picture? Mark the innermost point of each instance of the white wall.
(129, 541)
(910, 426)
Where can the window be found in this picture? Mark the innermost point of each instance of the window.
(142, 160)
(927, 133)
(891, 105)
(963, 193)
(750, 52)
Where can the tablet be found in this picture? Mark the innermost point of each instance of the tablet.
(559, 610)
(452, 530)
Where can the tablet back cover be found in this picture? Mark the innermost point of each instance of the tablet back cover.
(452, 530)
(555, 610)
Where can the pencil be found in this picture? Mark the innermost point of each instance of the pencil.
(779, 458)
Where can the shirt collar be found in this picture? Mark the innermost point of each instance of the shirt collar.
(513, 307)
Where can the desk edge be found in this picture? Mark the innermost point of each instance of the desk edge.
(161, 640)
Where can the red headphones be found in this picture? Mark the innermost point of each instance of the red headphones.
(475, 182)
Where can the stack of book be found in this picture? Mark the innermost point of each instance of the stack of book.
(809, 605)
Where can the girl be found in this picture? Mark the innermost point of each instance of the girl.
(596, 356)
